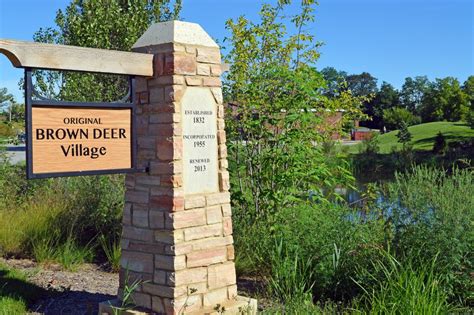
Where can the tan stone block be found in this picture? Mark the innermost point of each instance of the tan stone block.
(218, 198)
(226, 210)
(130, 277)
(191, 50)
(184, 305)
(209, 55)
(211, 243)
(159, 277)
(211, 81)
(141, 84)
(203, 231)
(164, 168)
(166, 80)
(203, 69)
(161, 130)
(224, 181)
(206, 257)
(142, 299)
(179, 249)
(230, 252)
(222, 151)
(221, 138)
(130, 181)
(140, 218)
(193, 81)
(172, 263)
(157, 95)
(143, 97)
(223, 164)
(174, 93)
(220, 111)
(166, 151)
(169, 237)
(148, 180)
(136, 261)
(221, 275)
(217, 92)
(215, 297)
(153, 248)
(157, 219)
(232, 292)
(180, 63)
(221, 124)
(192, 202)
(137, 234)
(187, 276)
(166, 191)
(216, 70)
(127, 214)
(197, 288)
(187, 218)
(167, 203)
(227, 224)
(214, 215)
(136, 196)
(172, 180)
(157, 305)
(158, 64)
(164, 290)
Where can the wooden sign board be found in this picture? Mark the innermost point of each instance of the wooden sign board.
(72, 140)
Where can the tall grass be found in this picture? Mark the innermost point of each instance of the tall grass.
(58, 220)
(404, 287)
(291, 278)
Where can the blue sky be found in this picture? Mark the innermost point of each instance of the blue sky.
(391, 39)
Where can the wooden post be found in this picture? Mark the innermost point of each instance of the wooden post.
(177, 226)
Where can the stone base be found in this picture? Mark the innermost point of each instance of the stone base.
(240, 306)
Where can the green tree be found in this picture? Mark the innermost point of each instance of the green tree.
(387, 97)
(444, 100)
(404, 136)
(363, 84)
(396, 116)
(275, 117)
(335, 81)
(106, 24)
(11, 110)
(412, 93)
(468, 88)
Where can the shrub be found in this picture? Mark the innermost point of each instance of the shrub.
(431, 213)
(332, 239)
(440, 145)
(370, 146)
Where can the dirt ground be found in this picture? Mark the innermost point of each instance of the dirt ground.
(79, 292)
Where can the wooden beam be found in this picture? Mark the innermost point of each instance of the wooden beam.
(61, 57)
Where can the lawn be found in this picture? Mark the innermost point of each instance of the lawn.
(424, 135)
(16, 293)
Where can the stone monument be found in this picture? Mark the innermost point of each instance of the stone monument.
(177, 226)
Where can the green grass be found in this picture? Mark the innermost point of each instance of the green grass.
(424, 135)
(16, 293)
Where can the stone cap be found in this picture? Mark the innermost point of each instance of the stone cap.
(178, 32)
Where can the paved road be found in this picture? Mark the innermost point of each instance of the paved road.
(16, 153)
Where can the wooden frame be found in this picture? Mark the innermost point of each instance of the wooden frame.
(61, 57)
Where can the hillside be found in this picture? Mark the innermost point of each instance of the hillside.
(424, 135)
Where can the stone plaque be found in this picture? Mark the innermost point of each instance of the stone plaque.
(200, 165)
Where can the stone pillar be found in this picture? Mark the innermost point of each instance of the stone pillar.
(177, 226)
